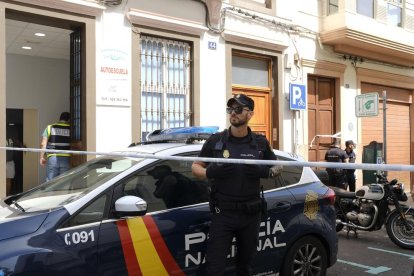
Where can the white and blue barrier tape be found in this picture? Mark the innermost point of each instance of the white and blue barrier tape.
(358, 166)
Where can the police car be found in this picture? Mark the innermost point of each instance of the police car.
(148, 215)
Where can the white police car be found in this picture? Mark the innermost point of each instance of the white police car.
(149, 215)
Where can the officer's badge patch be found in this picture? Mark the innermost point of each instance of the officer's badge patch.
(311, 205)
(226, 154)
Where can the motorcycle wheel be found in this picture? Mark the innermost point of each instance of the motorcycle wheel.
(340, 216)
(307, 256)
(398, 232)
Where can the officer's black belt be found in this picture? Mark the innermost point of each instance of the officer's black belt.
(231, 205)
(243, 205)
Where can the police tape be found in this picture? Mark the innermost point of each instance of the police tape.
(131, 154)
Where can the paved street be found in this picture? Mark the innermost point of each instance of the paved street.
(372, 253)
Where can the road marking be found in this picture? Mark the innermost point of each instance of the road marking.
(393, 252)
(371, 269)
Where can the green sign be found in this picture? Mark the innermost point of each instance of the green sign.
(366, 105)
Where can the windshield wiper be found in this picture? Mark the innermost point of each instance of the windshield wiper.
(18, 206)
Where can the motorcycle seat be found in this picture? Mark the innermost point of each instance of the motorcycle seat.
(342, 193)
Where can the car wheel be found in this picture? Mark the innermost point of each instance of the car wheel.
(307, 256)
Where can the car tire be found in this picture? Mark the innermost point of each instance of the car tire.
(307, 256)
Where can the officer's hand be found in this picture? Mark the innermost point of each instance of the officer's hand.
(275, 170)
(256, 171)
(215, 170)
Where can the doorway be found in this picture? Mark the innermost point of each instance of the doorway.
(45, 61)
(252, 76)
(398, 128)
(321, 116)
(14, 133)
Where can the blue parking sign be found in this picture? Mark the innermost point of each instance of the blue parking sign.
(297, 96)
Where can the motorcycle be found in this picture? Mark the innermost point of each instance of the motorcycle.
(375, 205)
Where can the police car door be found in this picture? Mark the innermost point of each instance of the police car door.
(80, 235)
(170, 238)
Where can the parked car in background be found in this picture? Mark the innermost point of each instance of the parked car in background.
(147, 214)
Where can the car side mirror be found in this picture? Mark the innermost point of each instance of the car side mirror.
(127, 206)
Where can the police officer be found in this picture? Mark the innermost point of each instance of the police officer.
(350, 174)
(235, 199)
(336, 154)
(56, 136)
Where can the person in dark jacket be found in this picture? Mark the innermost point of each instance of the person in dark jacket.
(235, 200)
(175, 189)
(350, 174)
(56, 136)
(336, 154)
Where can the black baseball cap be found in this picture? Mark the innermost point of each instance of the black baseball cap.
(242, 100)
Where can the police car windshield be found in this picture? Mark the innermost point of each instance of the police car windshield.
(74, 184)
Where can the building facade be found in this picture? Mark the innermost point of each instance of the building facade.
(124, 68)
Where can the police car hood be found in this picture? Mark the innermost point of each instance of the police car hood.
(14, 223)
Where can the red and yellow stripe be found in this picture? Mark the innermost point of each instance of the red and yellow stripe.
(145, 251)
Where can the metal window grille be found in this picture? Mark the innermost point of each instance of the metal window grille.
(75, 84)
(165, 84)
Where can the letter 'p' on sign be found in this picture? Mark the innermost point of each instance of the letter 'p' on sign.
(297, 96)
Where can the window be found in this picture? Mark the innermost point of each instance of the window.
(265, 6)
(250, 71)
(365, 7)
(394, 12)
(165, 84)
(333, 6)
(164, 185)
(290, 175)
(74, 184)
(94, 212)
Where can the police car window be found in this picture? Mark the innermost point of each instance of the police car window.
(74, 184)
(92, 213)
(289, 175)
(167, 184)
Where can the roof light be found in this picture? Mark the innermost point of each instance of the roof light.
(40, 34)
(182, 133)
(26, 47)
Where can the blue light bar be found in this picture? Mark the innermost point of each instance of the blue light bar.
(182, 133)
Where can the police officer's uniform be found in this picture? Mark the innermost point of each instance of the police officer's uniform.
(59, 139)
(336, 175)
(235, 201)
(350, 173)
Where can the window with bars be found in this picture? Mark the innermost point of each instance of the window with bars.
(165, 84)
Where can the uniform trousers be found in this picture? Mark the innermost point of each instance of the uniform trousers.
(336, 178)
(350, 178)
(226, 225)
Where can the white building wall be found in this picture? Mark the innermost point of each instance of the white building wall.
(213, 77)
(114, 58)
(114, 55)
(113, 75)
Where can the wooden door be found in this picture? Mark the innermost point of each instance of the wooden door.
(321, 116)
(260, 122)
